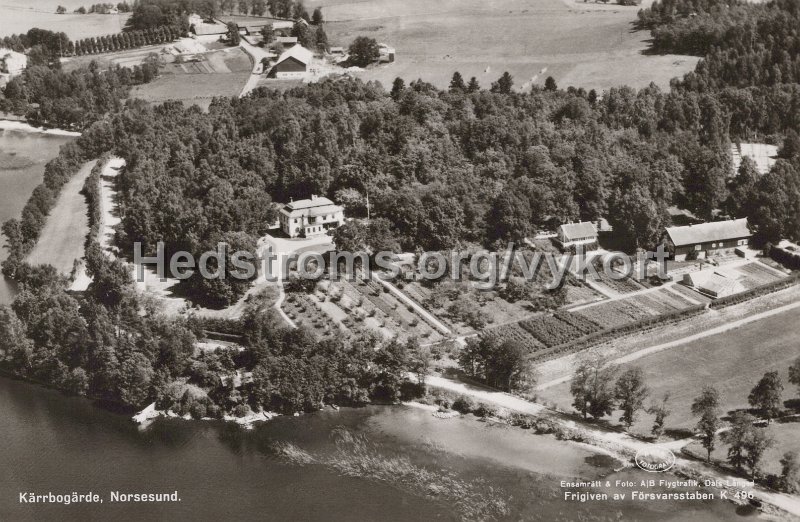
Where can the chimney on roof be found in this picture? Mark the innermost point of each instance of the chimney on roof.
(313, 197)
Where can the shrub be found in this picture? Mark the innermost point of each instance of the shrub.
(464, 404)
(198, 410)
(241, 410)
(484, 410)
(441, 399)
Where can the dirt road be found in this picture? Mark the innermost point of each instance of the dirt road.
(61, 241)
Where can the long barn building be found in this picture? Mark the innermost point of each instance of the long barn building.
(708, 238)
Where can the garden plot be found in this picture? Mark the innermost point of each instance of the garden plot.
(514, 332)
(615, 313)
(620, 286)
(305, 310)
(545, 331)
(756, 274)
(579, 295)
(657, 303)
(355, 307)
(552, 330)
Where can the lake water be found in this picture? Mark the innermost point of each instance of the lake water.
(60, 444)
(23, 156)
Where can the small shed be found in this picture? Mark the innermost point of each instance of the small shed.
(386, 53)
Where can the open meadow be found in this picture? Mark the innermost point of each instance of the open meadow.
(785, 435)
(732, 361)
(21, 15)
(581, 44)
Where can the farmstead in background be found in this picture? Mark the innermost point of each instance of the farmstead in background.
(708, 238)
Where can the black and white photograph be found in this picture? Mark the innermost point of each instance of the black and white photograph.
(400, 260)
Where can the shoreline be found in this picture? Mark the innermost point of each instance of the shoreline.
(149, 414)
(21, 126)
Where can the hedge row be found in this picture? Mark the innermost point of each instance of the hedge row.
(649, 323)
(91, 191)
(126, 40)
(785, 257)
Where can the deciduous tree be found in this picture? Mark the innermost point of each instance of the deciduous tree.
(364, 51)
(630, 392)
(706, 406)
(766, 395)
(661, 412)
(592, 386)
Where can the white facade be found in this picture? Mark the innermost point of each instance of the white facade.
(291, 75)
(574, 234)
(310, 217)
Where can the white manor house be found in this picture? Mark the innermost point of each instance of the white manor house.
(310, 217)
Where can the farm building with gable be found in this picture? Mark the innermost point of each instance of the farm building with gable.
(310, 217)
(292, 64)
(574, 234)
(707, 238)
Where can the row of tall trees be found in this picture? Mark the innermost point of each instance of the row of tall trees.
(124, 40)
(45, 47)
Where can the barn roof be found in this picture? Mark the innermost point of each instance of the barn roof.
(578, 230)
(707, 232)
(317, 206)
(299, 53)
